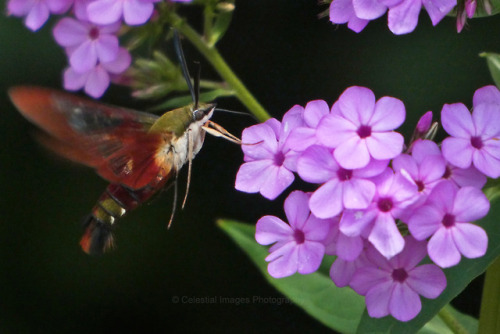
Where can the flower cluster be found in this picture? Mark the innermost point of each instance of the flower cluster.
(402, 17)
(380, 207)
(89, 35)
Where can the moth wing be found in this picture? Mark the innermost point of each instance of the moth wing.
(112, 140)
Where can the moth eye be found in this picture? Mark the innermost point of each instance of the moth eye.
(199, 114)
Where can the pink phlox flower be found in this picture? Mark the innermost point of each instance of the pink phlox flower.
(340, 245)
(80, 9)
(96, 80)
(393, 287)
(304, 136)
(37, 12)
(342, 271)
(425, 166)
(486, 94)
(340, 187)
(342, 11)
(474, 139)
(88, 42)
(363, 129)
(403, 18)
(134, 12)
(269, 161)
(357, 13)
(394, 193)
(298, 246)
(445, 218)
(465, 177)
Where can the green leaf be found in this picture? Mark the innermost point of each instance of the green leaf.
(458, 278)
(438, 326)
(221, 23)
(338, 308)
(493, 61)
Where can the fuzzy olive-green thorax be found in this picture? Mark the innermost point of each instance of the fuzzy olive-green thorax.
(177, 120)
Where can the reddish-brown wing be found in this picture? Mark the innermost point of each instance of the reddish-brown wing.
(112, 140)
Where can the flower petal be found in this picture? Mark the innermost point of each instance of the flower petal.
(314, 112)
(403, 18)
(84, 57)
(270, 229)
(285, 265)
(385, 236)
(438, 9)
(296, 209)
(405, 303)
(486, 94)
(252, 175)
(349, 248)
(334, 130)
(378, 299)
(424, 222)
(457, 151)
(368, 277)
(368, 9)
(70, 32)
(358, 193)
(352, 154)
(442, 249)
(278, 179)
(260, 141)
(73, 80)
(457, 120)
(310, 255)
(389, 114)
(136, 12)
(105, 11)
(38, 15)
(470, 204)
(107, 48)
(120, 64)
(385, 145)
(427, 280)
(486, 162)
(326, 201)
(316, 164)
(357, 105)
(97, 82)
(471, 240)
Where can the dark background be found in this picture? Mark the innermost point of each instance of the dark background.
(285, 55)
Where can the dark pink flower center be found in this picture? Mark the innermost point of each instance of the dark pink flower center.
(476, 142)
(447, 173)
(279, 158)
(344, 174)
(299, 237)
(94, 33)
(385, 204)
(399, 275)
(420, 184)
(364, 131)
(448, 220)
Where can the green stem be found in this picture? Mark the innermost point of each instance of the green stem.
(213, 56)
(489, 317)
(451, 322)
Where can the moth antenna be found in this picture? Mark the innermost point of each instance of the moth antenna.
(197, 80)
(174, 202)
(182, 61)
(236, 113)
(190, 164)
